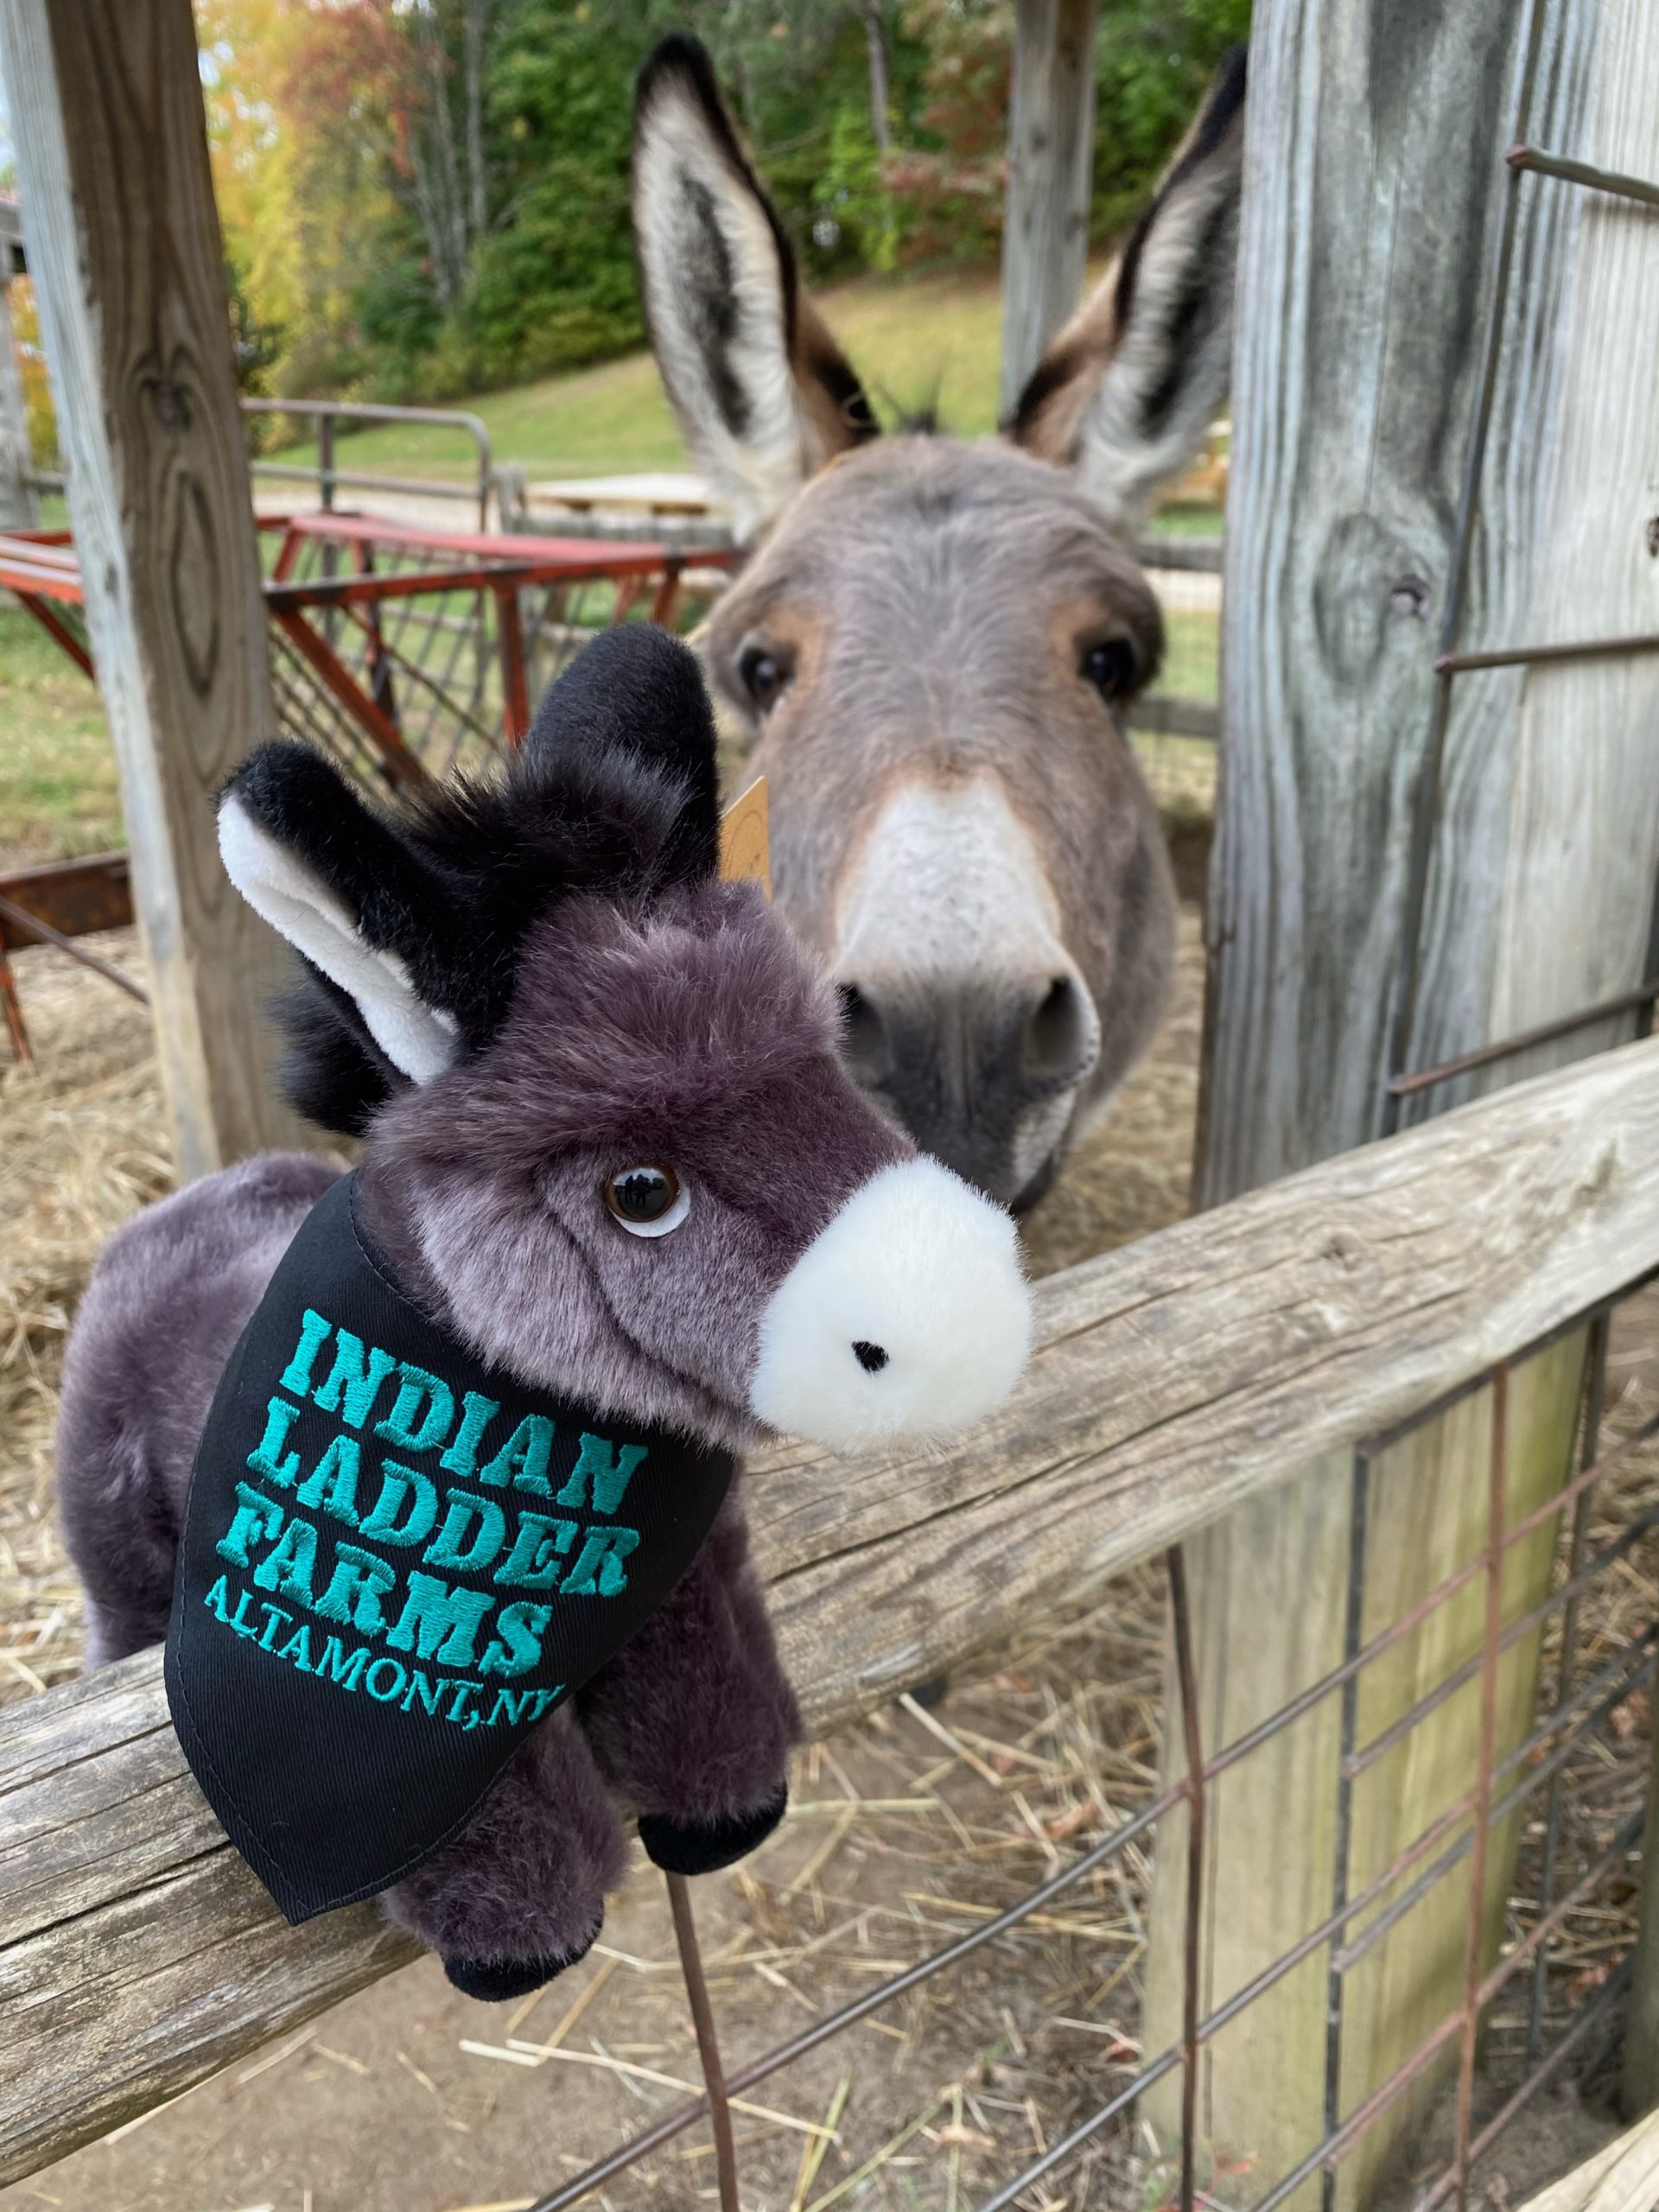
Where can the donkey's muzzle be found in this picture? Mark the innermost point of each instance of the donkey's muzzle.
(982, 1071)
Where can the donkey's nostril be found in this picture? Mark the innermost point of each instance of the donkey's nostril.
(863, 1036)
(1056, 1046)
(871, 1357)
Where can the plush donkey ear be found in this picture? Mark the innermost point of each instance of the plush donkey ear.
(763, 393)
(336, 879)
(1128, 391)
(636, 694)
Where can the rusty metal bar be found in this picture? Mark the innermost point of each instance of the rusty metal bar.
(1617, 1983)
(423, 680)
(20, 918)
(702, 2018)
(399, 762)
(578, 560)
(1387, 1638)
(1497, 1497)
(515, 690)
(1595, 1382)
(668, 592)
(406, 583)
(1627, 1833)
(1187, 1674)
(55, 628)
(1640, 999)
(1334, 2147)
(75, 896)
(1342, 1875)
(833, 2023)
(1462, 1676)
(1426, 802)
(1583, 1705)
(1069, 2146)
(1585, 173)
(380, 684)
(1596, 2012)
(16, 1028)
(1643, 641)
(1622, 1685)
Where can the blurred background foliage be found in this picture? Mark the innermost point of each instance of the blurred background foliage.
(428, 198)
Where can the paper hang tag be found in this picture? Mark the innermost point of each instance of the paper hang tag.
(745, 843)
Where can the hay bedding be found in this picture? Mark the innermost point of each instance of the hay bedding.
(83, 1145)
(908, 1830)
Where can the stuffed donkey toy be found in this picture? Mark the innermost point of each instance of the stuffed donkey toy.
(424, 1472)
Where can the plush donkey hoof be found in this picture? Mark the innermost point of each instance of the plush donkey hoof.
(704, 1846)
(493, 1980)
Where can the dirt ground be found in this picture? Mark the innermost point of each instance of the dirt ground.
(903, 1832)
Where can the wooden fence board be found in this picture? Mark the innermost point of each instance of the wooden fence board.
(1172, 1379)
(1625, 2177)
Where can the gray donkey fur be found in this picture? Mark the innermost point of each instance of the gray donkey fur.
(560, 943)
(932, 652)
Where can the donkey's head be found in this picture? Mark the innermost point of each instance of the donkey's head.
(934, 646)
(609, 1138)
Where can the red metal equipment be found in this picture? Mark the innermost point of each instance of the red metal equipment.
(401, 650)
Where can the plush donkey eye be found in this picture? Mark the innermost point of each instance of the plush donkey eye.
(1111, 666)
(765, 676)
(649, 1200)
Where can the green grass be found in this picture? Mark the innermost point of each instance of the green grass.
(58, 790)
(919, 342)
(916, 342)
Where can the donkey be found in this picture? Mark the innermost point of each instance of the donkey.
(610, 1149)
(930, 653)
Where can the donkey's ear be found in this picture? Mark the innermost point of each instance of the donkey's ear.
(763, 393)
(635, 697)
(1128, 391)
(336, 879)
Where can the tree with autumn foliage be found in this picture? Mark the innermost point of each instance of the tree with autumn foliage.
(426, 197)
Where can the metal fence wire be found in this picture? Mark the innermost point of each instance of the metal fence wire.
(1527, 1998)
(1527, 2002)
(408, 653)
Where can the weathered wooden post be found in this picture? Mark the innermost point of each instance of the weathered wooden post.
(18, 507)
(1640, 2076)
(1376, 198)
(105, 102)
(1051, 157)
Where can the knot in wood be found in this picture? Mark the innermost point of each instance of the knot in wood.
(1365, 578)
(1344, 1250)
(170, 401)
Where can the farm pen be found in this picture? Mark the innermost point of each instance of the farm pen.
(1213, 1363)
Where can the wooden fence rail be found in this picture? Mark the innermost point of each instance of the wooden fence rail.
(1173, 1379)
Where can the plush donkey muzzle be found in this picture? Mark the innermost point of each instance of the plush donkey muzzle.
(907, 1316)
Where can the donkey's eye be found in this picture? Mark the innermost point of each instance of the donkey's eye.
(1111, 666)
(763, 676)
(649, 1200)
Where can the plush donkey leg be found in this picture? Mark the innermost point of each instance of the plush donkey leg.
(519, 1895)
(693, 1718)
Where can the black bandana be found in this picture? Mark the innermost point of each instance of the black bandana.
(395, 1561)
